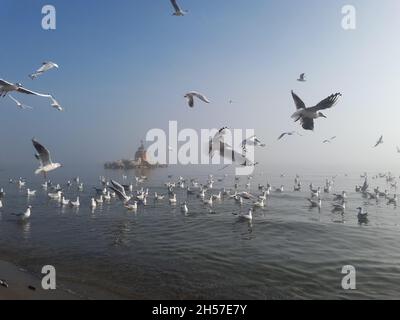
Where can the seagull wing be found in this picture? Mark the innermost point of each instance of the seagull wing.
(24, 90)
(118, 186)
(201, 97)
(43, 153)
(234, 155)
(5, 83)
(175, 5)
(47, 66)
(217, 143)
(282, 135)
(326, 103)
(121, 195)
(379, 141)
(15, 100)
(298, 102)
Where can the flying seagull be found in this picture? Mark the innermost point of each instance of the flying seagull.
(252, 141)
(288, 134)
(120, 191)
(302, 78)
(55, 104)
(218, 141)
(329, 140)
(307, 115)
(43, 155)
(193, 94)
(46, 66)
(218, 144)
(236, 156)
(6, 87)
(380, 141)
(178, 11)
(19, 104)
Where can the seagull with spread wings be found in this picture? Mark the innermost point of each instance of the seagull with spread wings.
(6, 87)
(46, 66)
(43, 155)
(193, 94)
(307, 115)
(218, 141)
(120, 192)
(178, 11)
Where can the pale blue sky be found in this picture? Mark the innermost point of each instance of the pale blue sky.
(125, 66)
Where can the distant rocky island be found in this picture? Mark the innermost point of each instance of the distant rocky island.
(140, 162)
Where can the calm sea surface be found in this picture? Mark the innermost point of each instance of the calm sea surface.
(288, 252)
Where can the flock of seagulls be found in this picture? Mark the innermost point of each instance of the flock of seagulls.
(132, 196)
(217, 145)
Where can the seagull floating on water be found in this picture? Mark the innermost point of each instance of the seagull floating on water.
(25, 215)
(315, 203)
(307, 115)
(362, 214)
(248, 216)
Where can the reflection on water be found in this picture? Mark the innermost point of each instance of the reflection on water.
(26, 228)
(289, 250)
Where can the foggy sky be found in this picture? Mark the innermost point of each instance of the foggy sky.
(124, 69)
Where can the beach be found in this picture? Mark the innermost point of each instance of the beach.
(23, 285)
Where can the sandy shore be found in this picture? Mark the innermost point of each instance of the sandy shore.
(25, 286)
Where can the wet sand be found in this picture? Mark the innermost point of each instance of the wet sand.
(21, 284)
